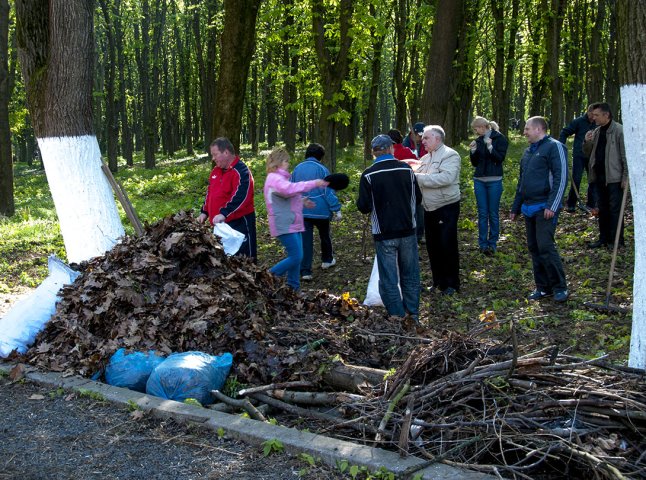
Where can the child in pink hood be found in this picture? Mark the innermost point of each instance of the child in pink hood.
(285, 211)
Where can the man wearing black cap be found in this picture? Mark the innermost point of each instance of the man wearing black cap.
(388, 190)
(414, 140)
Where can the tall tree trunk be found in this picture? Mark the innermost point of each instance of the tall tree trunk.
(127, 143)
(238, 42)
(253, 111)
(552, 37)
(461, 92)
(536, 77)
(439, 64)
(377, 38)
(55, 48)
(290, 92)
(595, 68)
(271, 106)
(111, 113)
(7, 207)
(398, 85)
(611, 90)
(186, 76)
(206, 55)
(334, 64)
(631, 18)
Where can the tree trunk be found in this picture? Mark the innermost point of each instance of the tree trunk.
(206, 63)
(595, 68)
(186, 76)
(398, 82)
(111, 113)
(461, 94)
(238, 42)
(631, 18)
(552, 37)
(55, 48)
(611, 90)
(253, 111)
(290, 92)
(439, 64)
(334, 64)
(7, 207)
(369, 120)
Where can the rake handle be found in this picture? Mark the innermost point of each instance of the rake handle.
(615, 247)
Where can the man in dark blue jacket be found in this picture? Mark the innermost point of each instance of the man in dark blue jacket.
(578, 127)
(542, 181)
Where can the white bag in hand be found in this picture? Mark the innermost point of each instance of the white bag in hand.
(373, 299)
(231, 239)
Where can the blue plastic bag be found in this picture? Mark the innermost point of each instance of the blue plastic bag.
(189, 375)
(131, 370)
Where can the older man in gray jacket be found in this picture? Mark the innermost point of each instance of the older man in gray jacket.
(438, 176)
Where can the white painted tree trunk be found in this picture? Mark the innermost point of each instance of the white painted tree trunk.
(85, 205)
(633, 106)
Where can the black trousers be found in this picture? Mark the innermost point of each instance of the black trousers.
(441, 231)
(579, 165)
(609, 202)
(247, 226)
(549, 275)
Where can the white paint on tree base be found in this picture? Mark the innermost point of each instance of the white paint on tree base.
(633, 106)
(84, 202)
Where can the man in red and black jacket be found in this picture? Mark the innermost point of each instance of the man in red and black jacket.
(229, 197)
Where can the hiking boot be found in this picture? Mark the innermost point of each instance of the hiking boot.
(538, 294)
(449, 291)
(326, 265)
(561, 296)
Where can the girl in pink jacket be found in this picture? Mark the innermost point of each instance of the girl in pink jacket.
(285, 211)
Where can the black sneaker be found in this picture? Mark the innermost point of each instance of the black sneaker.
(561, 296)
(569, 209)
(538, 294)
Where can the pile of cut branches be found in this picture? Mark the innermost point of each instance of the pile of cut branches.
(542, 414)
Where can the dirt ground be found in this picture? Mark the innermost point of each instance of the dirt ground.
(47, 433)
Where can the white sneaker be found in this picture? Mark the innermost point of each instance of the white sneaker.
(306, 277)
(326, 265)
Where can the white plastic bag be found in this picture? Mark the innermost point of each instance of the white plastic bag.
(19, 327)
(231, 239)
(373, 298)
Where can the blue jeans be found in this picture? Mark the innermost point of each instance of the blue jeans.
(292, 264)
(398, 262)
(488, 200)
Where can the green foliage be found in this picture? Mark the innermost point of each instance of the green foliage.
(132, 406)
(91, 395)
(57, 393)
(272, 446)
(232, 386)
(220, 433)
(192, 401)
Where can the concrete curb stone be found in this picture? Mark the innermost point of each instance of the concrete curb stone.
(253, 432)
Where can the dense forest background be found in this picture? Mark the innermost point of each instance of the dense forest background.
(332, 71)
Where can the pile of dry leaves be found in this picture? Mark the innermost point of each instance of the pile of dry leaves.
(174, 290)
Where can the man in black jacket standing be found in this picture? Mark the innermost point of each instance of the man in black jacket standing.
(578, 127)
(542, 181)
(388, 190)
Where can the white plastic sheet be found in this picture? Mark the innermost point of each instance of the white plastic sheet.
(19, 327)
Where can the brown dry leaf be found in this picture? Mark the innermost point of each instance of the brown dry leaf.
(17, 372)
(137, 414)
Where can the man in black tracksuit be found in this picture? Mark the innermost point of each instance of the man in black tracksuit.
(578, 127)
(388, 190)
(542, 182)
